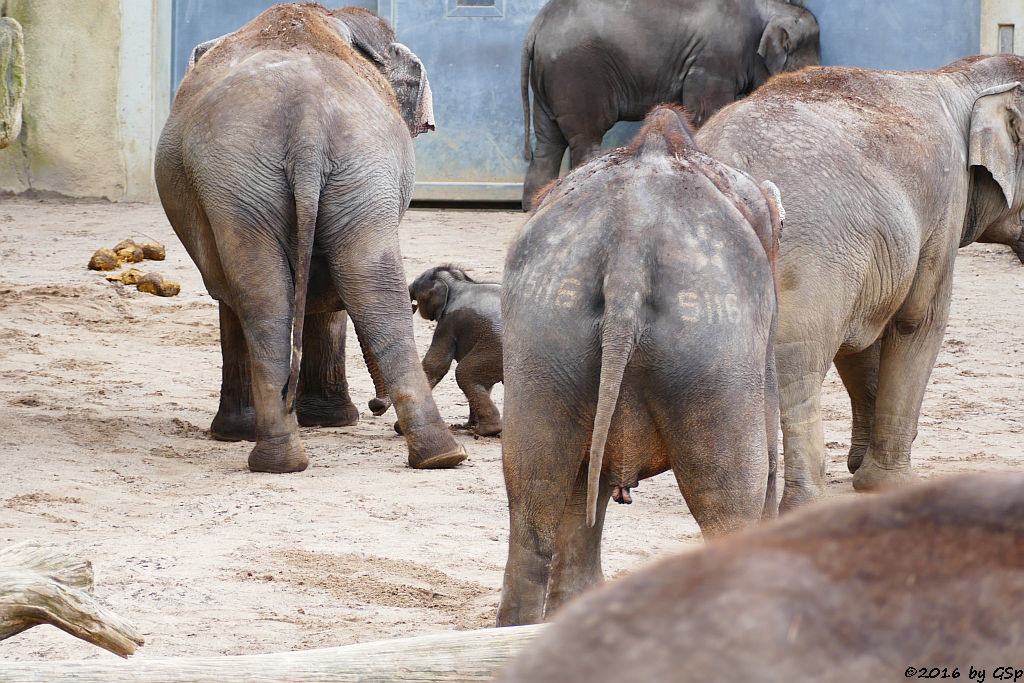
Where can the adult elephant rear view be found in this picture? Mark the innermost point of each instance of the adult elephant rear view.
(595, 62)
(284, 168)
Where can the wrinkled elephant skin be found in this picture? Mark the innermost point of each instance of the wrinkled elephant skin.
(594, 62)
(639, 311)
(851, 590)
(884, 174)
(284, 168)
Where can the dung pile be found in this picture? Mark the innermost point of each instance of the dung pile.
(127, 251)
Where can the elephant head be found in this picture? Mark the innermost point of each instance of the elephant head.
(403, 70)
(996, 161)
(431, 291)
(790, 38)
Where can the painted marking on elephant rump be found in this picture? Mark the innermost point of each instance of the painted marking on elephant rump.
(710, 307)
(567, 293)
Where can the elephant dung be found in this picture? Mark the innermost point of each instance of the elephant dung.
(129, 254)
(153, 251)
(132, 276)
(104, 259)
(151, 283)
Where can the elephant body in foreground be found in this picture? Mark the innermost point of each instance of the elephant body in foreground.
(594, 62)
(284, 168)
(921, 583)
(638, 307)
(884, 174)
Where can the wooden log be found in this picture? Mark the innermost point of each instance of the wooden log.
(12, 79)
(41, 584)
(454, 656)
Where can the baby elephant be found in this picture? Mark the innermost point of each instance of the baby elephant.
(862, 589)
(468, 316)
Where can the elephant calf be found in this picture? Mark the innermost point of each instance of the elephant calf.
(851, 590)
(468, 316)
(639, 311)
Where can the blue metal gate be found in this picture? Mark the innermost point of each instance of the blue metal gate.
(909, 34)
(471, 50)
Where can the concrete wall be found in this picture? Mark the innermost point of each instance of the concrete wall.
(92, 110)
(1008, 14)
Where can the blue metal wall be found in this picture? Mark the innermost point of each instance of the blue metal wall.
(471, 49)
(902, 34)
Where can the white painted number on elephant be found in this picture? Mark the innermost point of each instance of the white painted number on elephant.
(709, 307)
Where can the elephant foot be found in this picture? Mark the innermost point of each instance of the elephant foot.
(855, 458)
(234, 426)
(440, 461)
(379, 406)
(486, 428)
(278, 454)
(326, 412)
(871, 476)
(794, 496)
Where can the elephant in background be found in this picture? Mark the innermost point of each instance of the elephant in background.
(285, 167)
(468, 316)
(639, 314)
(592, 63)
(884, 174)
(851, 590)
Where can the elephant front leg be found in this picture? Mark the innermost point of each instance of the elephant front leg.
(801, 370)
(235, 419)
(859, 372)
(323, 399)
(908, 350)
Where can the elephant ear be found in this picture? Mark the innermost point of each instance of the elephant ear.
(408, 79)
(776, 44)
(202, 48)
(995, 136)
(431, 301)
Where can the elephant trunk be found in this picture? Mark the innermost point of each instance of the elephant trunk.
(381, 402)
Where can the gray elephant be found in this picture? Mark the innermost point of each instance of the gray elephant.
(884, 175)
(639, 311)
(468, 316)
(284, 168)
(595, 62)
(852, 590)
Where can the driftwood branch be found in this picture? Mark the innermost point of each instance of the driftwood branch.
(41, 584)
(454, 656)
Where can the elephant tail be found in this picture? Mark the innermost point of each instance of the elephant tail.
(524, 85)
(306, 186)
(619, 332)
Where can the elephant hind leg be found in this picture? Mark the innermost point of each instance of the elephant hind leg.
(473, 377)
(547, 155)
(323, 399)
(259, 279)
(859, 372)
(235, 419)
(366, 267)
(576, 564)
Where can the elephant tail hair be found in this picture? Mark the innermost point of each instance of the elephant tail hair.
(306, 186)
(524, 85)
(619, 332)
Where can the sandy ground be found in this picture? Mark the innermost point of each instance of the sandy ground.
(106, 395)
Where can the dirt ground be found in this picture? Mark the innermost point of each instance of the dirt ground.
(106, 396)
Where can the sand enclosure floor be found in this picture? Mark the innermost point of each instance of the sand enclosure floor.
(106, 396)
